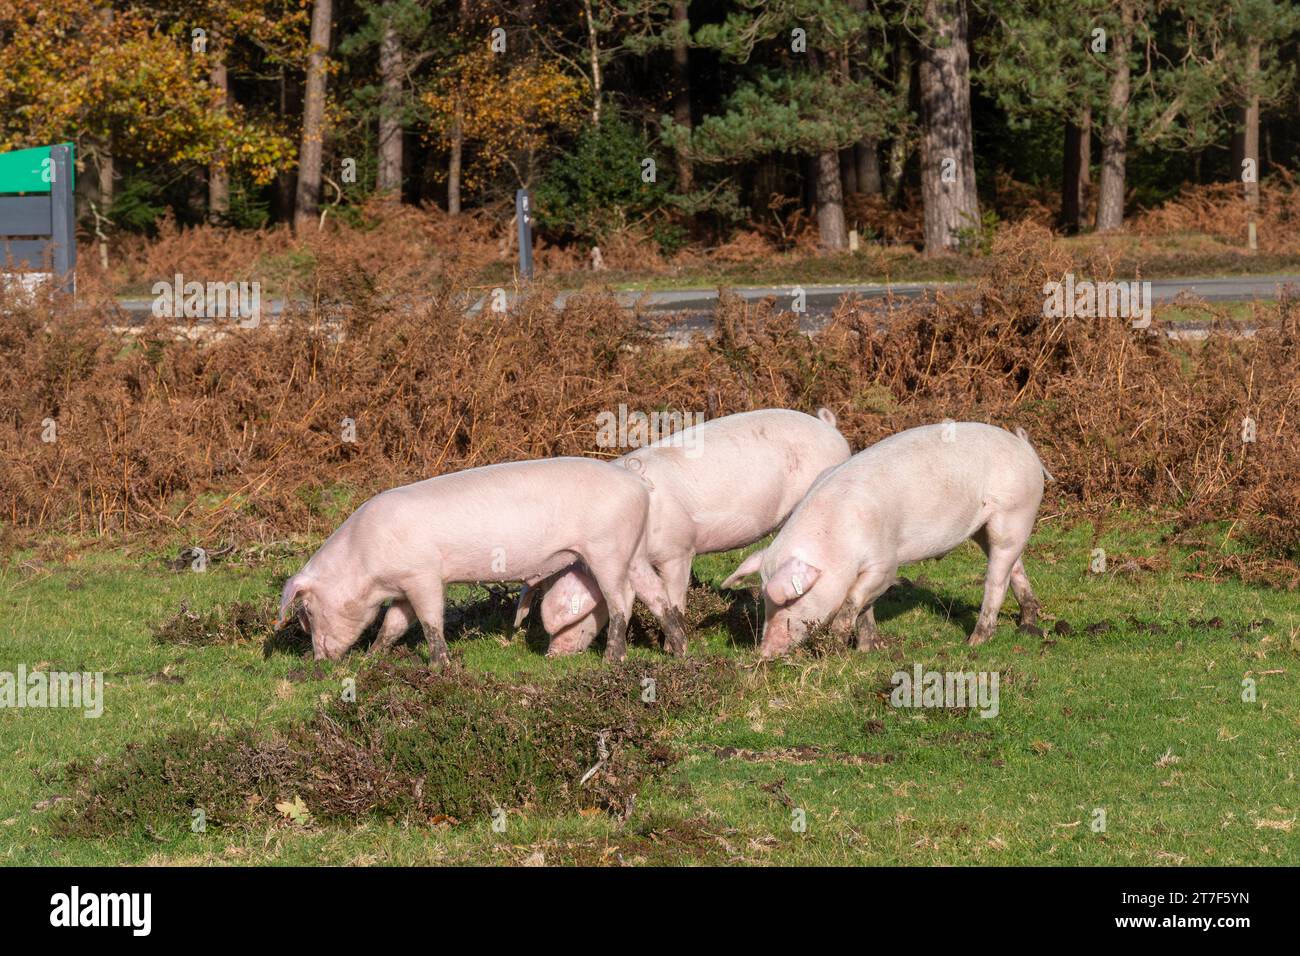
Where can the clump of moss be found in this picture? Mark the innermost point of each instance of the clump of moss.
(418, 745)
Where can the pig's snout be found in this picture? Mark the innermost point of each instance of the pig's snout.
(571, 640)
(777, 638)
(322, 651)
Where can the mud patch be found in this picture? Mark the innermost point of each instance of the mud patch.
(418, 744)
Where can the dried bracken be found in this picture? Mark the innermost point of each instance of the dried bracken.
(240, 435)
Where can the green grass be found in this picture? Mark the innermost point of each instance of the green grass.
(1146, 723)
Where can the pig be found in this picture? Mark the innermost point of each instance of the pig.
(913, 496)
(507, 522)
(716, 486)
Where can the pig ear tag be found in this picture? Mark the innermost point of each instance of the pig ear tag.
(796, 582)
(635, 466)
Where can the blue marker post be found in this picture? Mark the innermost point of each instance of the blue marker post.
(524, 216)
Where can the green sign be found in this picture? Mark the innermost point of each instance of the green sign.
(28, 170)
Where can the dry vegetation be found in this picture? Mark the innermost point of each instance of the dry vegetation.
(420, 745)
(239, 434)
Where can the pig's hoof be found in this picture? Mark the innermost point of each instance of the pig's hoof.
(676, 646)
(870, 642)
(978, 638)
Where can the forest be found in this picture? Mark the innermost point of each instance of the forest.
(922, 123)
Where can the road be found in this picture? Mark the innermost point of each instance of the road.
(695, 306)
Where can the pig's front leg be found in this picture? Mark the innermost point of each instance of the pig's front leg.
(676, 577)
(868, 586)
(427, 603)
(397, 619)
(650, 589)
(868, 637)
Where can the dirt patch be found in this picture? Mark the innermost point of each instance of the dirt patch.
(737, 611)
(417, 744)
(807, 753)
(654, 842)
(234, 623)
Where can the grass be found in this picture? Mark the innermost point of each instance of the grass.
(1140, 716)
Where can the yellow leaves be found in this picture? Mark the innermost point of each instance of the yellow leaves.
(66, 72)
(295, 810)
(502, 107)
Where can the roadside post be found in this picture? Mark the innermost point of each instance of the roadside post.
(524, 217)
(38, 215)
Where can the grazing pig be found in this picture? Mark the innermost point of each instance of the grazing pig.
(716, 486)
(915, 495)
(509, 522)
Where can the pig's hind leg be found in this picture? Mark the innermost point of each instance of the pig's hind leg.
(1029, 604)
(1003, 540)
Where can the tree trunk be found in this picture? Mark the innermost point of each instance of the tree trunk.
(1238, 144)
(313, 118)
(104, 167)
(898, 146)
(1085, 148)
(1071, 179)
(388, 180)
(682, 91)
(593, 45)
(948, 158)
(218, 172)
(1250, 137)
(286, 182)
(453, 169)
(830, 202)
(848, 171)
(1114, 134)
(867, 156)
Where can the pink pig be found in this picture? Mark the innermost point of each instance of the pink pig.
(510, 522)
(913, 496)
(714, 487)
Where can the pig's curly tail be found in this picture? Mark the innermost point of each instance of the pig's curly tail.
(1024, 437)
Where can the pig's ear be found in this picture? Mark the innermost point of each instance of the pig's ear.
(525, 604)
(296, 587)
(791, 580)
(747, 567)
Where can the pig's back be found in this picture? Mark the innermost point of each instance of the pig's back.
(738, 477)
(525, 507)
(930, 494)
